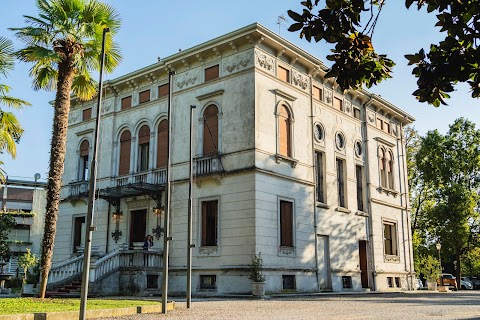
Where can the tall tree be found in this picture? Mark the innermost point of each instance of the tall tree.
(450, 163)
(10, 129)
(355, 62)
(64, 44)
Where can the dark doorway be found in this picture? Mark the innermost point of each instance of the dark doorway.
(362, 246)
(78, 234)
(138, 226)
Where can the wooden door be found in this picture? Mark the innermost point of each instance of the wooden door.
(362, 246)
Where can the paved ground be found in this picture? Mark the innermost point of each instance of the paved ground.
(452, 305)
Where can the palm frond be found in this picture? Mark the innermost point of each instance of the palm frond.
(44, 77)
(6, 56)
(13, 102)
(10, 132)
(84, 87)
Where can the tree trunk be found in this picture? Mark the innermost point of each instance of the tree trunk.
(57, 157)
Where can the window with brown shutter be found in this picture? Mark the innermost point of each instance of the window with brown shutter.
(284, 132)
(341, 183)
(212, 73)
(390, 238)
(386, 127)
(283, 74)
(126, 102)
(389, 164)
(383, 176)
(144, 96)
(286, 223)
(83, 169)
(87, 114)
(209, 223)
(338, 103)
(317, 93)
(162, 144)
(125, 145)
(359, 174)
(210, 131)
(163, 90)
(320, 174)
(143, 148)
(379, 124)
(356, 113)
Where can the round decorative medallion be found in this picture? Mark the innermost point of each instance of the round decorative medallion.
(358, 149)
(318, 132)
(339, 141)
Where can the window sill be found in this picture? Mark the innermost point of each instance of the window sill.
(361, 213)
(286, 251)
(319, 204)
(388, 191)
(391, 258)
(281, 157)
(344, 210)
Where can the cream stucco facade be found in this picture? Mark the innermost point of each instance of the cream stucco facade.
(321, 243)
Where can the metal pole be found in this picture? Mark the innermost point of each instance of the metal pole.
(190, 245)
(91, 192)
(166, 221)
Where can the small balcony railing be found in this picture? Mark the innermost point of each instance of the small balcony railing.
(208, 165)
(77, 188)
(157, 176)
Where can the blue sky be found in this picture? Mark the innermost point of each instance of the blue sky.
(153, 28)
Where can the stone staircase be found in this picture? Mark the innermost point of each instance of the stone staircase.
(70, 290)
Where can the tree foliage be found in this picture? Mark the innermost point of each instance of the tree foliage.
(10, 129)
(7, 222)
(64, 44)
(450, 165)
(355, 61)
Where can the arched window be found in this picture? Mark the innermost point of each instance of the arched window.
(389, 164)
(210, 131)
(383, 175)
(162, 144)
(143, 148)
(284, 132)
(83, 166)
(125, 144)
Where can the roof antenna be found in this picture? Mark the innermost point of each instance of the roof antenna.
(280, 23)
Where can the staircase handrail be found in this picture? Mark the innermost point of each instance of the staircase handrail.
(106, 264)
(65, 269)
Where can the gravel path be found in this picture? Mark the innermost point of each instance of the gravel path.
(458, 305)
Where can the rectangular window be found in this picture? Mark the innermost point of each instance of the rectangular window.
(386, 127)
(144, 96)
(212, 73)
(356, 113)
(346, 282)
(283, 74)
(338, 103)
(286, 223)
(379, 123)
(359, 174)
(288, 282)
(341, 182)
(152, 281)
(208, 282)
(398, 283)
(83, 174)
(317, 93)
(209, 223)
(390, 282)
(78, 233)
(320, 174)
(20, 232)
(126, 102)
(143, 152)
(163, 90)
(87, 114)
(390, 238)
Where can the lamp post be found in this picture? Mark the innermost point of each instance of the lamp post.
(439, 246)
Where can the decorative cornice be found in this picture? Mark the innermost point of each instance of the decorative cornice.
(210, 94)
(385, 142)
(285, 95)
(84, 132)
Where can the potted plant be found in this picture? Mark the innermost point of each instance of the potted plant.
(27, 261)
(431, 269)
(256, 275)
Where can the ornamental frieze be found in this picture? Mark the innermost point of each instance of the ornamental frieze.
(188, 78)
(299, 80)
(265, 61)
(237, 62)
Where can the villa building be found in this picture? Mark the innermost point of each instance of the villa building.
(285, 165)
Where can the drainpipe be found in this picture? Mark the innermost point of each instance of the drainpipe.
(108, 228)
(368, 195)
(401, 181)
(407, 215)
(314, 186)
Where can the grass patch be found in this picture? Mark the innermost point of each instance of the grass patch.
(32, 305)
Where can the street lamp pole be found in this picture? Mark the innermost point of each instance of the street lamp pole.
(439, 246)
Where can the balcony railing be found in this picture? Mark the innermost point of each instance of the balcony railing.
(208, 165)
(77, 188)
(157, 176)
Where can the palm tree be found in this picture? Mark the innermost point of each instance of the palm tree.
(64, 44)
(10, 129)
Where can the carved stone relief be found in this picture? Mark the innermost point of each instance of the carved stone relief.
(74, 116)
(348, 106)
(237, 62)
(371, 116)
(328, 96)
(299, 80)
(265, 61)
(188, 78)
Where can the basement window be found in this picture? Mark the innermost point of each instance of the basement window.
(152, 281)
(208, 282)
(346, 282)
(288, 282)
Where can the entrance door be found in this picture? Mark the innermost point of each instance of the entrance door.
(78, 234)
(323, 252)
(362, 247)
(138, 226)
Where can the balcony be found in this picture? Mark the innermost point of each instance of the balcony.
(208, 165)
(78, 189)
(156, 177)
